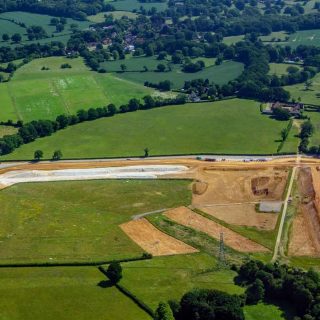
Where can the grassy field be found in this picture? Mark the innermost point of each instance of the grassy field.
(78, 221)
(5, 130)
(232, 39)
(280, 68)
(303, 37)
(30, 19)
(221, 74)
(165, 278)
(135, 5)
(43, 94)
(62, 293)
(100, 17)
(269, 312)
(311, 96)
(227, 127)
(315, 119)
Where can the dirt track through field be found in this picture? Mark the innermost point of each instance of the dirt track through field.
(232, 239)
(153, 241)
(305, 235)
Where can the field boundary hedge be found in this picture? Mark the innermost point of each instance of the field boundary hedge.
(130, 295)
(73, 264)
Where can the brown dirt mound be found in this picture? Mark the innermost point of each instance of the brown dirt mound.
(305, 237)
(152, 240)
(232, 239)
(243, 214)
(199, 187)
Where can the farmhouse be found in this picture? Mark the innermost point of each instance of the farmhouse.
(295, 109)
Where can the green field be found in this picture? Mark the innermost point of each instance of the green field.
(5, 130)
(166, 278)
(232, 39)
(303, 37)
(31, 19)
(62, 293)
(281, 68)
(221, 74)
(37, 94)
(311, 96)
(100, 17)
(315, 119)
(135, 5)
(225, 127)
(79, 221)
(269, 312)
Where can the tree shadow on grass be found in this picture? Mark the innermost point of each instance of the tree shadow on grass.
(104, 284)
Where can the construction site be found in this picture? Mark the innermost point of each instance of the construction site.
(224, 194)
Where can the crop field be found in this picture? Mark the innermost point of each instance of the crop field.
(135, 5)
(165, 278)
(79, 221)
(62, 293)
(226, 127)
(221, 74)
(43, 94)
(100, 17)
(311, 95)
(30, 19)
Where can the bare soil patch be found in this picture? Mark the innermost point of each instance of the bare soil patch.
(152, 240)
(232, 239)
(241, 185)
(243, 214)
(305, 235)
(199, 187)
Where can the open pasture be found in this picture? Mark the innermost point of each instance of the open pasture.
(31, 19)
(62, 293)
(165, 278)
(221, 74)
(135, 5)
(34, 93)
(281, 68)
(225, 127)
(5, 130)
(79, 221)
(100, 17)
(310, 96)
(303, 37)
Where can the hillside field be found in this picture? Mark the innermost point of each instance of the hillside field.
(226, 127)
(135, 5)
(281, 68)
(311, 96)
(79, 220)
(43, 94)
(221, 74)
(100, 17)
(30, 19)
(302, 37)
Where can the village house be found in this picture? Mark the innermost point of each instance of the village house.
(295, 109)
